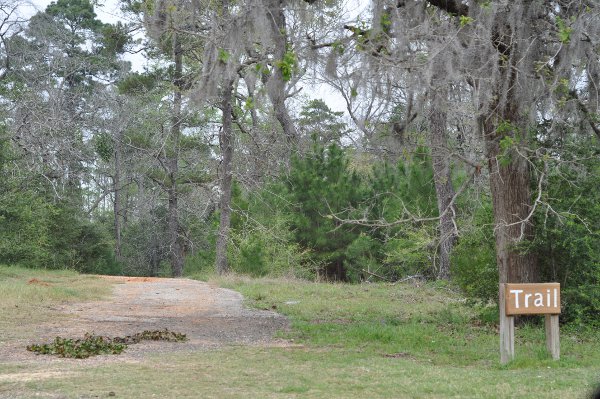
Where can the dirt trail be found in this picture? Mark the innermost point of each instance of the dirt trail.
(210, 317)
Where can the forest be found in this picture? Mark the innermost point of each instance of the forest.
(446, 140)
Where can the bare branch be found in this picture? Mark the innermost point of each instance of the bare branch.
(411, 218)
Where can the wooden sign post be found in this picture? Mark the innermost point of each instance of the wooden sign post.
(519, 299)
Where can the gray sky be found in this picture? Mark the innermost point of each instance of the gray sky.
(107, 10)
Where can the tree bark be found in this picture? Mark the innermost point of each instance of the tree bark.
(226, 144)
(175, 244)
(511, 198)
(509, 170)
(510, 176)
(117, 196)
(440, 158)
(276, 87)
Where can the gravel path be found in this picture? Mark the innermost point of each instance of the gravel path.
(211, 317)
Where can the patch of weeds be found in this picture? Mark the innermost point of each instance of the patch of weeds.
(259, 297)
(92, 345)
(156, 335)
(487, 315)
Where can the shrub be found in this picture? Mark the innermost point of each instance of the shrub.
(568, 239)
(474, 257)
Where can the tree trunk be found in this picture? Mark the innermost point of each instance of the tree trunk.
(117, 196)
(440, 158)
(509, 170)
(175, 244)
(226, 144)
(511, 198)
(276, 84)
(509, 176)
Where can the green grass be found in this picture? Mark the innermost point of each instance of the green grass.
(306, 373)
(358, 341)
(30, 296)
(430, 323)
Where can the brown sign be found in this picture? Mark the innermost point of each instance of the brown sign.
(532, 298)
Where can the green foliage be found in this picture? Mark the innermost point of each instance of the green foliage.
(404, 192)
(568, 238)
(223, 56)
(90, 345)
(41, 233)
(362, 253)
(386, 21)
(137, 83)
(263, 242)
(93, 345)
(409, 252)
(338, 47)
(318, 185)
(564, 31)
(25, 228)
(321, 123)
(474, 257)
(507, 144)
(80, 244)
(103, 144)
(465, 20)
(404, 189)
(290, 226)
(287, 65)
(75, 13)
(115, 38)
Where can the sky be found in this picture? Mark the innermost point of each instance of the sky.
(107, 11)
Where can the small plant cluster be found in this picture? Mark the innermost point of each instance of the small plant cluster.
(92, 345)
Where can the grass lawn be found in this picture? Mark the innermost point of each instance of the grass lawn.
(28, 297)
(349, 341)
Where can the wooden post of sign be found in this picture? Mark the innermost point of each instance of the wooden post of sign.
(552, 336)
(507, 330)
(525, 299)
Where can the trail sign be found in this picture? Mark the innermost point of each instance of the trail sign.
(532, 298)
(520, 299)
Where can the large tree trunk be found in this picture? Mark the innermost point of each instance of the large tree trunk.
(226, 144)
(509, 173)
(440, 157)
(511, 198)
(509, 170)
(175, 244)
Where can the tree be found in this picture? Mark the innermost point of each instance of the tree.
(318, 122)
(515, 85)
(510, 104)
(395, 109)
(320, 184)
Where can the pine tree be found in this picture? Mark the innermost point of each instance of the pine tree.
(321, 184)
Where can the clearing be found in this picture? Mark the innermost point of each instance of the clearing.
(211, 317)
(342, 341)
